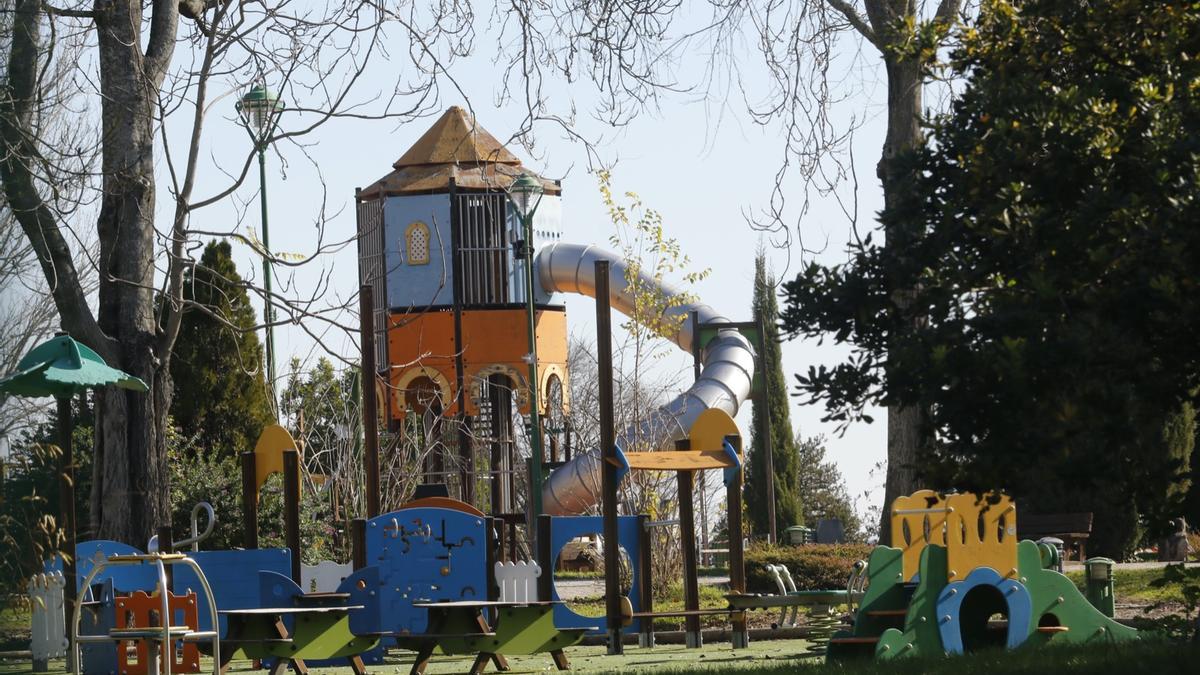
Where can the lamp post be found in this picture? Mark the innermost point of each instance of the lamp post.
(259, 110)
(525, 193)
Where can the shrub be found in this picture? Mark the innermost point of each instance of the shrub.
(217, 479)
(813, 566)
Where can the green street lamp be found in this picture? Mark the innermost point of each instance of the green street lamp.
(525, 193)
(259, 110)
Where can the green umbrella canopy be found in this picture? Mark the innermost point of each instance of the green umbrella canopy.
(62, 367)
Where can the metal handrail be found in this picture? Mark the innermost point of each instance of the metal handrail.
(856, 583)
(197, 537)
(165, 594)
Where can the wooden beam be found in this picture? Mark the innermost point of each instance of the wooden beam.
(291, 508)
(737, 560)
(608, 450)
(370, 410)
(687, 540)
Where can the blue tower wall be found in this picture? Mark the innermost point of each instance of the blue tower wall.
(416, 286)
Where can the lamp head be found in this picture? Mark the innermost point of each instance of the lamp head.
(525, 194)
(258, 108)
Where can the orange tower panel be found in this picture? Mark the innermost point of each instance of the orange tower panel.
(421, 347)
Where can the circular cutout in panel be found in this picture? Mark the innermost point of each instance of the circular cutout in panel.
(579, 575)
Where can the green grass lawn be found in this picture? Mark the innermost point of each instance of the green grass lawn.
(14, 628)
(711, 597)
(1133, 586)
(785, 657)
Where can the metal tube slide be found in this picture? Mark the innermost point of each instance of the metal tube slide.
(728, 366)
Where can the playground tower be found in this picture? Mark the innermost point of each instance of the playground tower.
(439, 243)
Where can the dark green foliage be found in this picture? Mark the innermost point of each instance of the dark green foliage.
(202, 476)
(1187, 581)
(29, 499)
(821, 488)
(787, 502)
(221, 401)
(1050, 238)
(814, 567)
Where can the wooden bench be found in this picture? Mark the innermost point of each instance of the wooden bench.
(1073, 528)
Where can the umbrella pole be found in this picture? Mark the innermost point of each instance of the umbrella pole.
(66, 505)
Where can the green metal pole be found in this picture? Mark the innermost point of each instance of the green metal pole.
(268, 309)
(535, 421)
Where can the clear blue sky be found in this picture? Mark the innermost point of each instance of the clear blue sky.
(703, 177)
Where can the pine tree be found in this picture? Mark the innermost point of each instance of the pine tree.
(822, 489)
(784, 456)
(221, 402)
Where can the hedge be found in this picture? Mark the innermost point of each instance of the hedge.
(813, 566)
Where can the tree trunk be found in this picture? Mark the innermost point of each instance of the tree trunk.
(129, 489)
(905, 424)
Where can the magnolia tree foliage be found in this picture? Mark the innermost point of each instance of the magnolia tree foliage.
(1048, 234)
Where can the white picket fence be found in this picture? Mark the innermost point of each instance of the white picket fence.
(49, 626)
(518, 581)
(324, 577)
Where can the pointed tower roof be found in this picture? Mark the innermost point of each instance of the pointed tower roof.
(455, 139)
(454, 150)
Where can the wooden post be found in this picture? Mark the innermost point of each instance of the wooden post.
(687, 540)
(358, 543)
(612, 543)
(762, 403)
(466, 458)
(466, 449)
(370, 406)
(66, 504)
(545, 558)
(291, 508)
(249, 501)
(737, 560)
(490, 558)
(166, 544)
(645, 580)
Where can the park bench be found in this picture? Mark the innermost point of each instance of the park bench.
(1073, 528)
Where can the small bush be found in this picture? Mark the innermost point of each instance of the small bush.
(813, 567)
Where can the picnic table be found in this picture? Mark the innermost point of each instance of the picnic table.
(462, 627)
(319, 630)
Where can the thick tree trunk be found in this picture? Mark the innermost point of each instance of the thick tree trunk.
(129, 490)
(905, 424)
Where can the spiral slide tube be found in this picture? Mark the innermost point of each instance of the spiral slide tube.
(728, 366)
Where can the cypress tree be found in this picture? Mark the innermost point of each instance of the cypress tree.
(221, 402)
(787, 500)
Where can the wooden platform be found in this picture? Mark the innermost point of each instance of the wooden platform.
(679, 460)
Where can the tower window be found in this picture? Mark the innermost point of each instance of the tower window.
(416, 238)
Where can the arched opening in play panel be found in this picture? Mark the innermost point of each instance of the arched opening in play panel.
(424, 399)
(579, 574)
(1049, 620)
(983, 619)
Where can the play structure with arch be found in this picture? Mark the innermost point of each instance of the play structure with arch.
(464, 328)
(955, 579)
